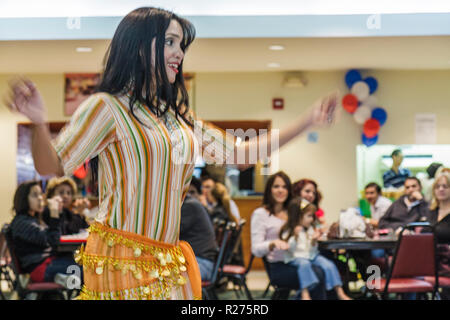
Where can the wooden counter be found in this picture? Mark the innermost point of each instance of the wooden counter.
(246, 207)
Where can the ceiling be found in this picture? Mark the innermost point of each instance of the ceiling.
(243, 55)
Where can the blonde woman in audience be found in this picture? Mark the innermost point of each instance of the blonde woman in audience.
(220, 200)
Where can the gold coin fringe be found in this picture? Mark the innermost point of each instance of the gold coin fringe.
(164, 272)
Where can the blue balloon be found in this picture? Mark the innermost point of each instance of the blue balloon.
(372, 83)
(379, 114)
(369, 141)
(351, 77)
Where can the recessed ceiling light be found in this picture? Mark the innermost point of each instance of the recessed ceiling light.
(84, 49)
(276, 47)
(273, 65)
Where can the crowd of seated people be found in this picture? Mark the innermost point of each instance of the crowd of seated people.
(290, 251)
(39, 222)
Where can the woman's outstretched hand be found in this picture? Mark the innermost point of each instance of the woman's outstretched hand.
(323, 111)
(25, 99)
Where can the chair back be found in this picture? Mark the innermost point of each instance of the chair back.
(15, 265)
(415, 254)
(5, 257)
(220, 257)
(266, 266)
(234, 240)
(219, 229)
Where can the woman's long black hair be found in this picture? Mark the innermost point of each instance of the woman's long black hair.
(128, 65)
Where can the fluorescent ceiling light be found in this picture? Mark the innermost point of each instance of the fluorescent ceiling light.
(276, 47)
(273, 65)
(84, 49)
(102, 8)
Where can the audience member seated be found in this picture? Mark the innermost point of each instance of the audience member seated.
(440, 208)
(34, 242)
(307, 189)
(266, 223)
(196, 228)
(396, 176)
(220, 200)
(427, 180)
(411, 207)
(195, 188)
(71, 216)
(208, 184)
(221, 211)
(303, 253)
(378, 203)
(440, 218)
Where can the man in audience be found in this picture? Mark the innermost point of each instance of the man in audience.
(411, 207)
(196, 228)
(378, 203)
(195, 188)
(396, 176)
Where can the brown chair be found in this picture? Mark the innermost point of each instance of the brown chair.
(209, 287)
(414, 258)
(239, 273)
(6, 272)
(444, 281)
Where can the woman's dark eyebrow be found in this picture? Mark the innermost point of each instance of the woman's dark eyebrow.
(173, 35)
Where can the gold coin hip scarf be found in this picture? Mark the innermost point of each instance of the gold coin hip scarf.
(120, 265)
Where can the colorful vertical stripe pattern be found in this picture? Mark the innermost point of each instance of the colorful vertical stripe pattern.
(144, 168)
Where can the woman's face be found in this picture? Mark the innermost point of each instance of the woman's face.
(66, 194)
(442, 190)
(307, 219)
(173, 55)
(35, 200)
(308, 192)
(280, 190)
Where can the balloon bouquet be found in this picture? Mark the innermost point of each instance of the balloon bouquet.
(363, 105)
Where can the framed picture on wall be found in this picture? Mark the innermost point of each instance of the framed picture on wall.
(78, 86)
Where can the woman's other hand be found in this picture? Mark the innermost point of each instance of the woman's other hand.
(25, 99)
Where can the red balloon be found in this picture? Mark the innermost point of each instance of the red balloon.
(350, 103)
(371, 128)
(81, 172)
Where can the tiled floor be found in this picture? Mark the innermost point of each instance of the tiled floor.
(257, 280)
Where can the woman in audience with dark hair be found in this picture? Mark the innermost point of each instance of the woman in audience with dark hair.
(266, 223)
(307, 189)
(33, 241)
(72, 216)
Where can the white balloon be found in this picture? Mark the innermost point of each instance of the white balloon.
(361, 90)
(362, 114)
(370, 101)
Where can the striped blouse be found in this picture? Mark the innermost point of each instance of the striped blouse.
(144, 168)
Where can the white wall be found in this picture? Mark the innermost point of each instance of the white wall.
(231, 96)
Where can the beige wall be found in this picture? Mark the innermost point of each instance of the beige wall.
(331, 162)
